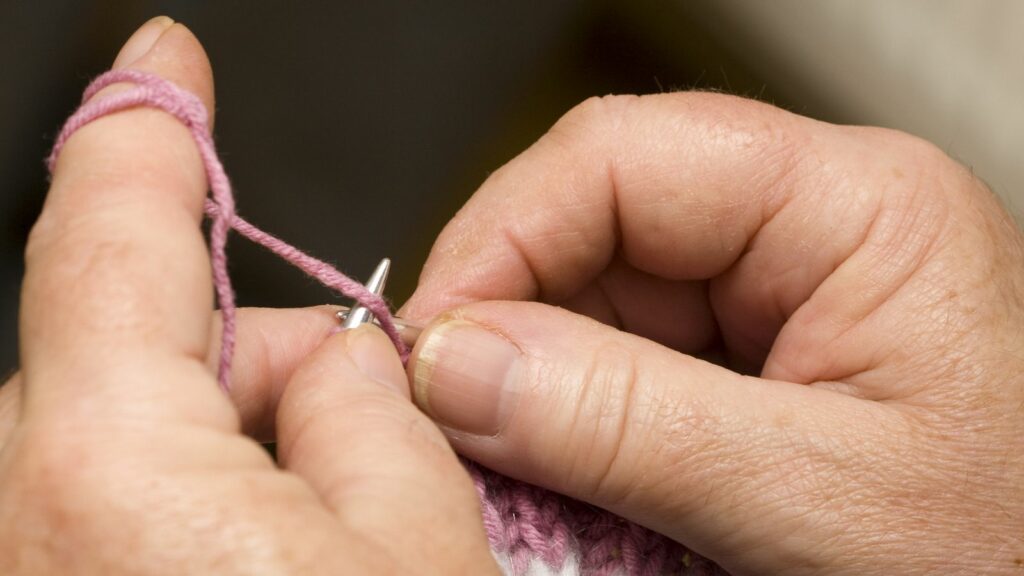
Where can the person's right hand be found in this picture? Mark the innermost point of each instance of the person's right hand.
(874, 285)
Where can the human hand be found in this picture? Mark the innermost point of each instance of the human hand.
(120, 455)
(875, 287)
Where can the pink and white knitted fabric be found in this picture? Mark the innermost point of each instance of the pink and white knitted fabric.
(535, 532)
(532, 532)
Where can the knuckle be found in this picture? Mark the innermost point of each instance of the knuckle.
(685, 438)
(914, 182)
(38, 479)
(769, 146)
(931, 169)
(95, 273)
(395, 419)
(908, 146)
(741, 125)
(600, 110)
(377, 409)
(594, 120)
(386, 416)
(604, 424)
(631, 435)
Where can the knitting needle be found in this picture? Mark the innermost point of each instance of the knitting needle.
(350, 318)
(359, 315)
(408, 331)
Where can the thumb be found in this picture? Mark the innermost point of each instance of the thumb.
(687, 448)
(345, 425)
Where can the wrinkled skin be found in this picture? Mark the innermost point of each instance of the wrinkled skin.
(864, 293)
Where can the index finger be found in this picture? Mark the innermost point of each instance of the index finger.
(117, 297)
(762, 203)
(677, 182)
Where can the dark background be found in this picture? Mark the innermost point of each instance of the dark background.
(354, 130)
(351, 129)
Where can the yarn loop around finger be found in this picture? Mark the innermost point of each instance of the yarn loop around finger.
(153, 91)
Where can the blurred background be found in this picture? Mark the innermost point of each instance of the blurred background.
(356, 129)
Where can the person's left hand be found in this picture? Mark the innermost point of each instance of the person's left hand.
(120, 455)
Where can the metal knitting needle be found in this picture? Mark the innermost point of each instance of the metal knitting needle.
(350, 318)
(359, 315)
(409, 332)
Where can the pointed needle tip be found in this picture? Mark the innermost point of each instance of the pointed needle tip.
(379, 277)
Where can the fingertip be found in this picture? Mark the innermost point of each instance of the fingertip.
(170, 50)
(373, 353)
(141, 41)
(357, 356)
(111, 149)
(178, 56)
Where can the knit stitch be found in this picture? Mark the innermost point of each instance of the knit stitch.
(528, 526)
(532, 532)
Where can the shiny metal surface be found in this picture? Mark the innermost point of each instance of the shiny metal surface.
(359, 315)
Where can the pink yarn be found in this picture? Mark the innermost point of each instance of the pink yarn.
(526, 522)
(152, 90)
(523, 522)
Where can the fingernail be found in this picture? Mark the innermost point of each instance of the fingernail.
(467, 377)
(375, 356)
(141, 41)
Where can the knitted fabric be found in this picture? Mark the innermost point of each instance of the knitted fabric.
(532, 531)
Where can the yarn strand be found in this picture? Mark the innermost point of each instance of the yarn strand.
(153, 91)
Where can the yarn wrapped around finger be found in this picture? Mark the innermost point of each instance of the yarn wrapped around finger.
(156, 92)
